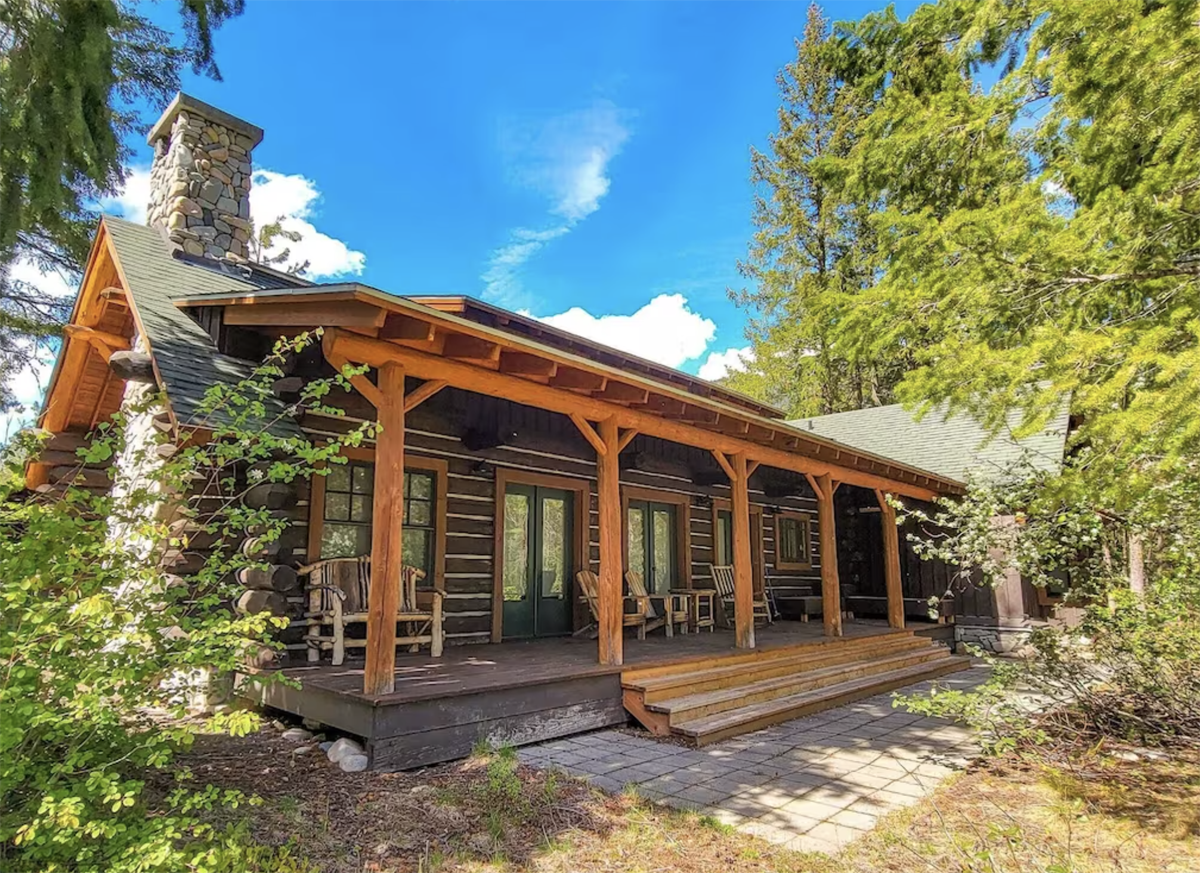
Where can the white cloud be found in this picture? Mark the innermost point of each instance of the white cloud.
(28, 385)
(273, 195)
(721, 364)
(665, 330)
(131, 203)
(565, 160)
(293, 198)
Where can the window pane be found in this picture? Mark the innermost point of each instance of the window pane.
(788, 534)
(418, 485)
(637, 539)
(338, 478)
(337, 507)
(364, 478)
(554, 530)
(516, 546)
(416, 551)
(418, 512)
(341, 541)
(360, 508)
(664, 538)
(724, 537)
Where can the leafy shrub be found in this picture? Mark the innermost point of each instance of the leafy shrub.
(1130, 671)
(102, 648)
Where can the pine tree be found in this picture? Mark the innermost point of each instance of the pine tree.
(1034, 167)
(70, 73)
(812, 247)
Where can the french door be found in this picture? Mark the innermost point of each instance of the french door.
(537, 561)
(652, 538)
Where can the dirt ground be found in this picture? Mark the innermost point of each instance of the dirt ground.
(1088, 812)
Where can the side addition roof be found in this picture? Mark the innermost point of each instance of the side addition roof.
(956, 446)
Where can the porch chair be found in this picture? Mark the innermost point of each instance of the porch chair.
(723, 580)
(338, 592)
(589, 586)
(674, 609)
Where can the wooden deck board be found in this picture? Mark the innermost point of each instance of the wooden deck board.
(494, 666)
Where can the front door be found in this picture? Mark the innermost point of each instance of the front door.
(537, 562)
(651, 542)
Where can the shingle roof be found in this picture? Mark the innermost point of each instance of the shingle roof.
(187, 358)
(959, 446)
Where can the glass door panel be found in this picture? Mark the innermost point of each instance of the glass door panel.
(537, 562)
(651, 543)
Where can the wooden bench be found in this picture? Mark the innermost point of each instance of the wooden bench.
(338, 593)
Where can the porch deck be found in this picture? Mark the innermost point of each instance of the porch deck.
(512, 692)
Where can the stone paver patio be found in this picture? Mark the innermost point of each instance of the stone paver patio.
(813, 784)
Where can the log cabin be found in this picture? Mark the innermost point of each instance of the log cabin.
(512, 458)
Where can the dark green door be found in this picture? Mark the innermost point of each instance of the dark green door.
(651, 539)
(537, 562)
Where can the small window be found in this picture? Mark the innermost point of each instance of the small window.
(793, 541)
(348, 511)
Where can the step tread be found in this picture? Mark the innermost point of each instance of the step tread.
(709, 698)
(799, 658)
(722, 721)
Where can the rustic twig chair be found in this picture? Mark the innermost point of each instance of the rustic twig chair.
(674, 610)
(338, 592)
(589, 587)
(723, 580)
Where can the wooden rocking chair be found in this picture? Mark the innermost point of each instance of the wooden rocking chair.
(589, 587)
(674, 606)
(723, 580)
(338, 592)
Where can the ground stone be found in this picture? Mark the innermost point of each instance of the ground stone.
(297, 735)
(343, 747)
(354, 763)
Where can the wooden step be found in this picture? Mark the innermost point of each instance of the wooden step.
(739, 657)
(710, 729)
(693, 706)
(667, 687)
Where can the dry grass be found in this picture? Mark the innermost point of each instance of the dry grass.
(1084, 814)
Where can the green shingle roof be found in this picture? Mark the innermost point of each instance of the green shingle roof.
(187, 358)
(957, 446)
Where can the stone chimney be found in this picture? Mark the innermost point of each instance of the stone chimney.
(200, 179)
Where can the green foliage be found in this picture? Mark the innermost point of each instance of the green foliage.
(103, 649)
(1130, 671)
(1041, 227)
(266, 237)
(70, 75)
(812, 245)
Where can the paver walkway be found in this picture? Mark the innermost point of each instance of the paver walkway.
(813, 784)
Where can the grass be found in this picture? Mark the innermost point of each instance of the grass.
(1084, 812)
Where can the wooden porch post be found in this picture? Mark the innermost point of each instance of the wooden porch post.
(379, 677)
(608, 487)
(743, 572)
(831, 594)
(891, 561)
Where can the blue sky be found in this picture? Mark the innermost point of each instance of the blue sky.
(542, 156)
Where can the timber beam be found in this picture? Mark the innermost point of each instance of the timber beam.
(422, 365)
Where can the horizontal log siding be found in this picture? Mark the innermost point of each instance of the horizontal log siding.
(541, 442)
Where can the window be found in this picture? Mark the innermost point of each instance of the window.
(346, 531)
(793, 541)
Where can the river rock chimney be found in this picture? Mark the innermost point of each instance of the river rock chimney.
(200, 178)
